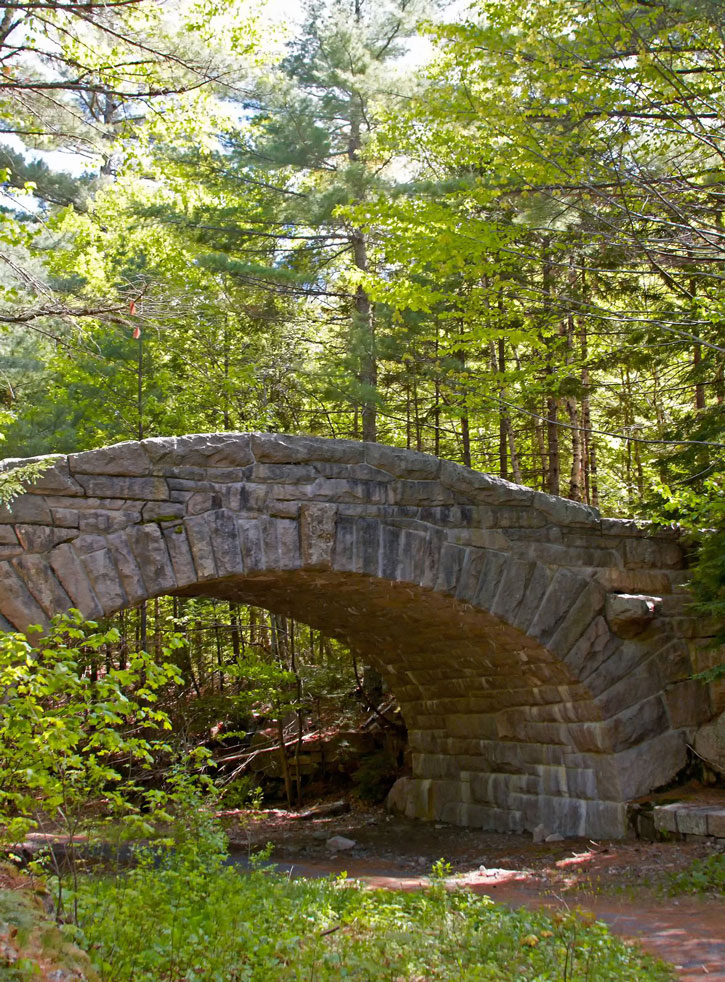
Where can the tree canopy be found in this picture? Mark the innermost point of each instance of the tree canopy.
(493, 234)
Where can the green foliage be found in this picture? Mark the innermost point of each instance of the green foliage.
(482, 254)
(77, 77)
(14, 480)
(73, 739)
(703, 876)
(486, 257)
(53, 188)
(194, 918)
(243, 792)
(702, 514)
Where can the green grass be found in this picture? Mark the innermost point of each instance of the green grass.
(702, 876)
(187, 923)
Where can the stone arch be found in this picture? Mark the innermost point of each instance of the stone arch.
(537, 649)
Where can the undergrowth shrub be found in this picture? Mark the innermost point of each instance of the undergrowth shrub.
(76, 739)
(194, 918)
(702, 876)
(243, 792)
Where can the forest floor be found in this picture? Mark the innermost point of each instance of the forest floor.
(623, 883)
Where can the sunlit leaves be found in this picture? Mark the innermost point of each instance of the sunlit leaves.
(70, 731)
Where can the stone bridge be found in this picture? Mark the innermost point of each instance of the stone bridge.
(540, 653)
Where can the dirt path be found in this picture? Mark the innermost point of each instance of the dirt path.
(618, 882)
(689, 933)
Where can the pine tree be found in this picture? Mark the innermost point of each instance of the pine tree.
(300, 157)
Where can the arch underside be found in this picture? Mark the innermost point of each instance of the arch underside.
(501, 735)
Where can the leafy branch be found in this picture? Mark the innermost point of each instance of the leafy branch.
(13, 481)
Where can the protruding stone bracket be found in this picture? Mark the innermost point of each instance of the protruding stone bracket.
(629, 614)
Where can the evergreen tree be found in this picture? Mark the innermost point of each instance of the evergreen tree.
(300, 156)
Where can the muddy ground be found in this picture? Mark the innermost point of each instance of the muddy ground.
(410, 848)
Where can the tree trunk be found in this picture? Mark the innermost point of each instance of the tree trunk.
(219, 647)
(553, 475)
(157, 629)
(502, 413)
(364, 319)
(143, 626)
(300, 720)
(276, 642)
(235, 632)
(553, 470)
(577, 452)
(505, 415)
(407, 412)
(515, 465)
(284, 763)
(465, 425)
(541, 446)
(366, 327)
(466, 440)
(416, 416)
(699, 387)
(437, 405)
(590, 450)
